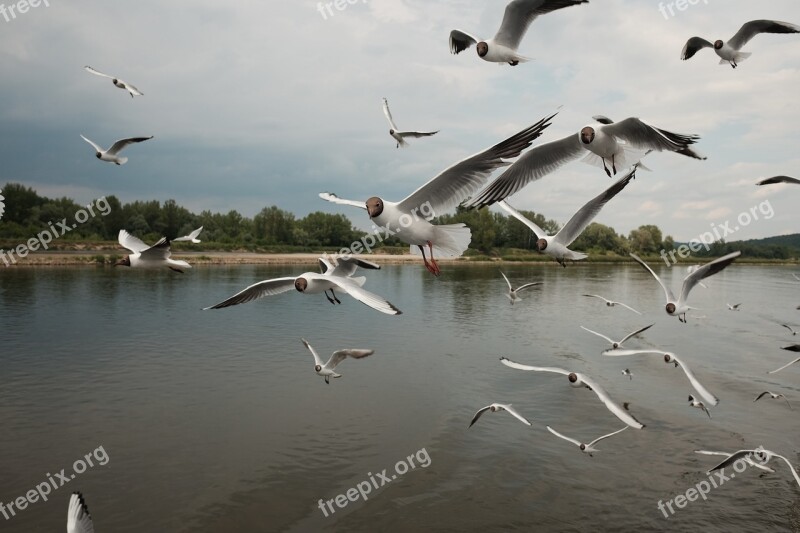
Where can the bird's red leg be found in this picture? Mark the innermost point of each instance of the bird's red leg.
(436, 271)
(427, 265)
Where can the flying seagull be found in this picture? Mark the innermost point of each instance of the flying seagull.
(678, 307)
(779, 179)
(326, 370)
(734, 307)
(617, 344)
(760, 455)
(693, 402)
(78, 518)
(110, 155)
(585, 448)
(513, 294)
(312, 283)
(773, 396)
(612, 303)
(688, 151)
(517, 19)
(192, 237)
(116, 81)
(618, 145)
(748, 460)
(577, 379)
(628, 373)
(556, 246)
(789, 328)
(398, 135)
(408, 220)
(499, 407)
(730, 52)
(790, 363)
(145, 256)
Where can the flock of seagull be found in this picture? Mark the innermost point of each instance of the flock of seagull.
(604, 143)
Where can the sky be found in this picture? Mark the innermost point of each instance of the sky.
(260, 103)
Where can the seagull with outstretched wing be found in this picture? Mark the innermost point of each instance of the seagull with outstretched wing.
(731, 51)
(400, 136)
(120, 84)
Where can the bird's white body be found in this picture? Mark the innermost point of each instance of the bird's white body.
(143, 256)
(326, 369)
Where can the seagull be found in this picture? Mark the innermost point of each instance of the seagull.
(116, 81)
(778, 179)
(556, 246)
(144, 256)
(400, 136)
(611, 303)
(313, 283)
(789, 328)
(692, 268)
(585, 448)
(192, 237)
(617, 344)
(78, 518)
(785, 366)
(451, 187)
(110, 155)
(346, 266)
(734, 307)
(688, 151)
(730, 52)
(773, 396)
(326, 370)
(670, 357)
(621, 144)
(628, 373)
(577, 379)
(693, 402)
(513, 293)
(678, 307)
(499, 407)
(748, 460)
(517, 19)
(760, 455)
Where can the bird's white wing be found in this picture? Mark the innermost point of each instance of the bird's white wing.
(158, 252)
(129, 242)
(619, 352)
(258, 290)
(513, 412)
(347, 266)
(785, 366)
(365, 297)
(732, 458)
(192, 237)
(478, 414)
(528, 285)
(539, 232)
(512, 364)
(694, 45)
(97, 148)
(788, 327)
(520, 14)
(597, 296)
(507, 282)
(612, 406)
(78, 518)
(598, 439)
(557, 434)
(754, 27)
(628, 307)
(340, 355)
(701, 390)
(330, 197)
(533, 165)
(460, 41)
(641, 135)
(667, 291)
(636, 333)
(709, 269)
(726, 454)
(461, 180)
(588, 212)
(132, 89)
(791, 467)
(779, 179)
(121, 144)
(598, 334)
(317, 358)
(388, 114)
(87, 68)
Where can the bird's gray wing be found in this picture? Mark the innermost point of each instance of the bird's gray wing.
(754, 27)
(520, 14)
(709, 269)
(641, 135)
(694, 45)
(460, 41)
(118, 146)
(258, 290)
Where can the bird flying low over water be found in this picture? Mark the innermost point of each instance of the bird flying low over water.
(326, 370)
(400, 136)
(408, 220)
(773, 396)
(697, 404)
(585, 448)
(110, 155)
(78, 518)
(557, 246)
(678, 307)
(577, 379)
(145, 256)
(617, 145)
(495, 407)
(779, 179)
(730, 52)
(513, 294)
(192, 237)
(760, 456)
(332, 278)
(133, 91)
(612, 303)
(517, 19)
(617, 344)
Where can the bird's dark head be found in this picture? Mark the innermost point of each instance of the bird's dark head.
(317, 368)
(587, 135)
(583, 447)
(126, 262)
(671, 308)
(667, 358)
(301, 284)
(391, 132)
(483, 49)
(374, 207)
(541, 245)
(98, 155)
(574, 380)
(615, 345)
(718, 44)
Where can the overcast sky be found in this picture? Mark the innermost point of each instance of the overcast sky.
(255, 103)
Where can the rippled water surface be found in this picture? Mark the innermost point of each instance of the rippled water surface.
(214, 421)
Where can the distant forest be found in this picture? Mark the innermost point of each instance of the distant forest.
(274, 229)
